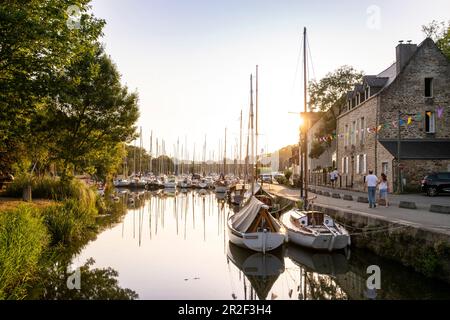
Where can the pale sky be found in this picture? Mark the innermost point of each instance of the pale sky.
(191, 61)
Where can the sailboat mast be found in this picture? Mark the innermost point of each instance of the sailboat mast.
(240, 148)
(140, 151)
(256, 121)
(151, 151)
(225, 154)
(306, 122)
(252, 133)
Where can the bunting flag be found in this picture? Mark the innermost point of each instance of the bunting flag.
(394, 124)
(440, 112)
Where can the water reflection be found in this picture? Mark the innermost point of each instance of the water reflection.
(173, 245)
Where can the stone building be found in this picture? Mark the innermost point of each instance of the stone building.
(319, 167)
(409, 102)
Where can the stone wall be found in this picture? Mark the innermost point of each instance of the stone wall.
(407, 94)
(368, 110)
(426, 251)
(415, 170)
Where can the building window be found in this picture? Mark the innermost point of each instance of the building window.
(345, 165)
(362, 125)
(385, 168)
(346, 135)
(353, 133)
(430, 122)
(367, 92)
(361, 164)
(428, 87)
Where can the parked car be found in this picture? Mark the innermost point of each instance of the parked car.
(436, 183)
(266, 178)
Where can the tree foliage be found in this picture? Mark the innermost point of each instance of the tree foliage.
(61, 100)
(328, 95)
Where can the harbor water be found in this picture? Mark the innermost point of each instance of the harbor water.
(173, 245)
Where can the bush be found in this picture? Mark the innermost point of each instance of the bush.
(282, 180)
(23, 237)
(288, 174)
(69, 221)
(51, 188)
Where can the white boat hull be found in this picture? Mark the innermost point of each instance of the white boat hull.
(170, 185)
(326, 241)
(257, 241)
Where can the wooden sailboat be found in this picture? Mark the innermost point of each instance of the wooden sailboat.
(253, 226)
(312, 229)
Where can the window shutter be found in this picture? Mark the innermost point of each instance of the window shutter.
(365, 163)
(433, 123)
(357, 164)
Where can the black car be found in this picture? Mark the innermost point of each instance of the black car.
(436, 183)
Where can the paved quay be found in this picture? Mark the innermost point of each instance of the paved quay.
(420, 217)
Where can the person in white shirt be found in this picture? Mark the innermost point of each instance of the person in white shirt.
(383, 187)
(334, 175)
(371, 184)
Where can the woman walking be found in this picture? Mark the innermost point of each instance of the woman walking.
(384, 189)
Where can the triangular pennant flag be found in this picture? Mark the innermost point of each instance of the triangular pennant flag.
(409, 120)
(394, 124)
(440, 112)
(429, 113)
(418, 117)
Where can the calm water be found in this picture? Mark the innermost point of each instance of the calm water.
(175, 246)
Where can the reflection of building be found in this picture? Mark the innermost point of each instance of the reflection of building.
(414, 92)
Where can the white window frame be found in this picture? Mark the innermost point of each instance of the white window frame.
(365, 164)
(353, 134)
(346, 135)
(432, 122)
(363, 129)
(383, 165)
(357, 164)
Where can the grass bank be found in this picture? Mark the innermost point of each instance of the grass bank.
(33, 235)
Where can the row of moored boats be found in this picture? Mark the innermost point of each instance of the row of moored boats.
(255, 227)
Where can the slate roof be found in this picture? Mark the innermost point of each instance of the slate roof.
(419, 149)
(374, 81)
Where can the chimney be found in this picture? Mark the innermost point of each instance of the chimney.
(404, 52)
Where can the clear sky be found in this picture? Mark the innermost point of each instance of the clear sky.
(190, 61)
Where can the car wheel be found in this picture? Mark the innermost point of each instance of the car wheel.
(432, 191)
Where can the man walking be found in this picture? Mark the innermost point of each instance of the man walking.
(371, 183)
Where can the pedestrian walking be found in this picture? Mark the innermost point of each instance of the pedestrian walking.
(383, 188)
(371, 184)
(334, 175)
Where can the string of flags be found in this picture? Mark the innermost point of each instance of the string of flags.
(394, 124)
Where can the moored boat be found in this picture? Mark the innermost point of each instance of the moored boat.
(315, 230)
(254, 228)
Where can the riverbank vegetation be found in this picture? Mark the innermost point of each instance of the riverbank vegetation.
(63, 112)
(38, 243)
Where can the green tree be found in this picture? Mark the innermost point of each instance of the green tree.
(93, 111)
(440, 33)
(328, 95)
(35, 47)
